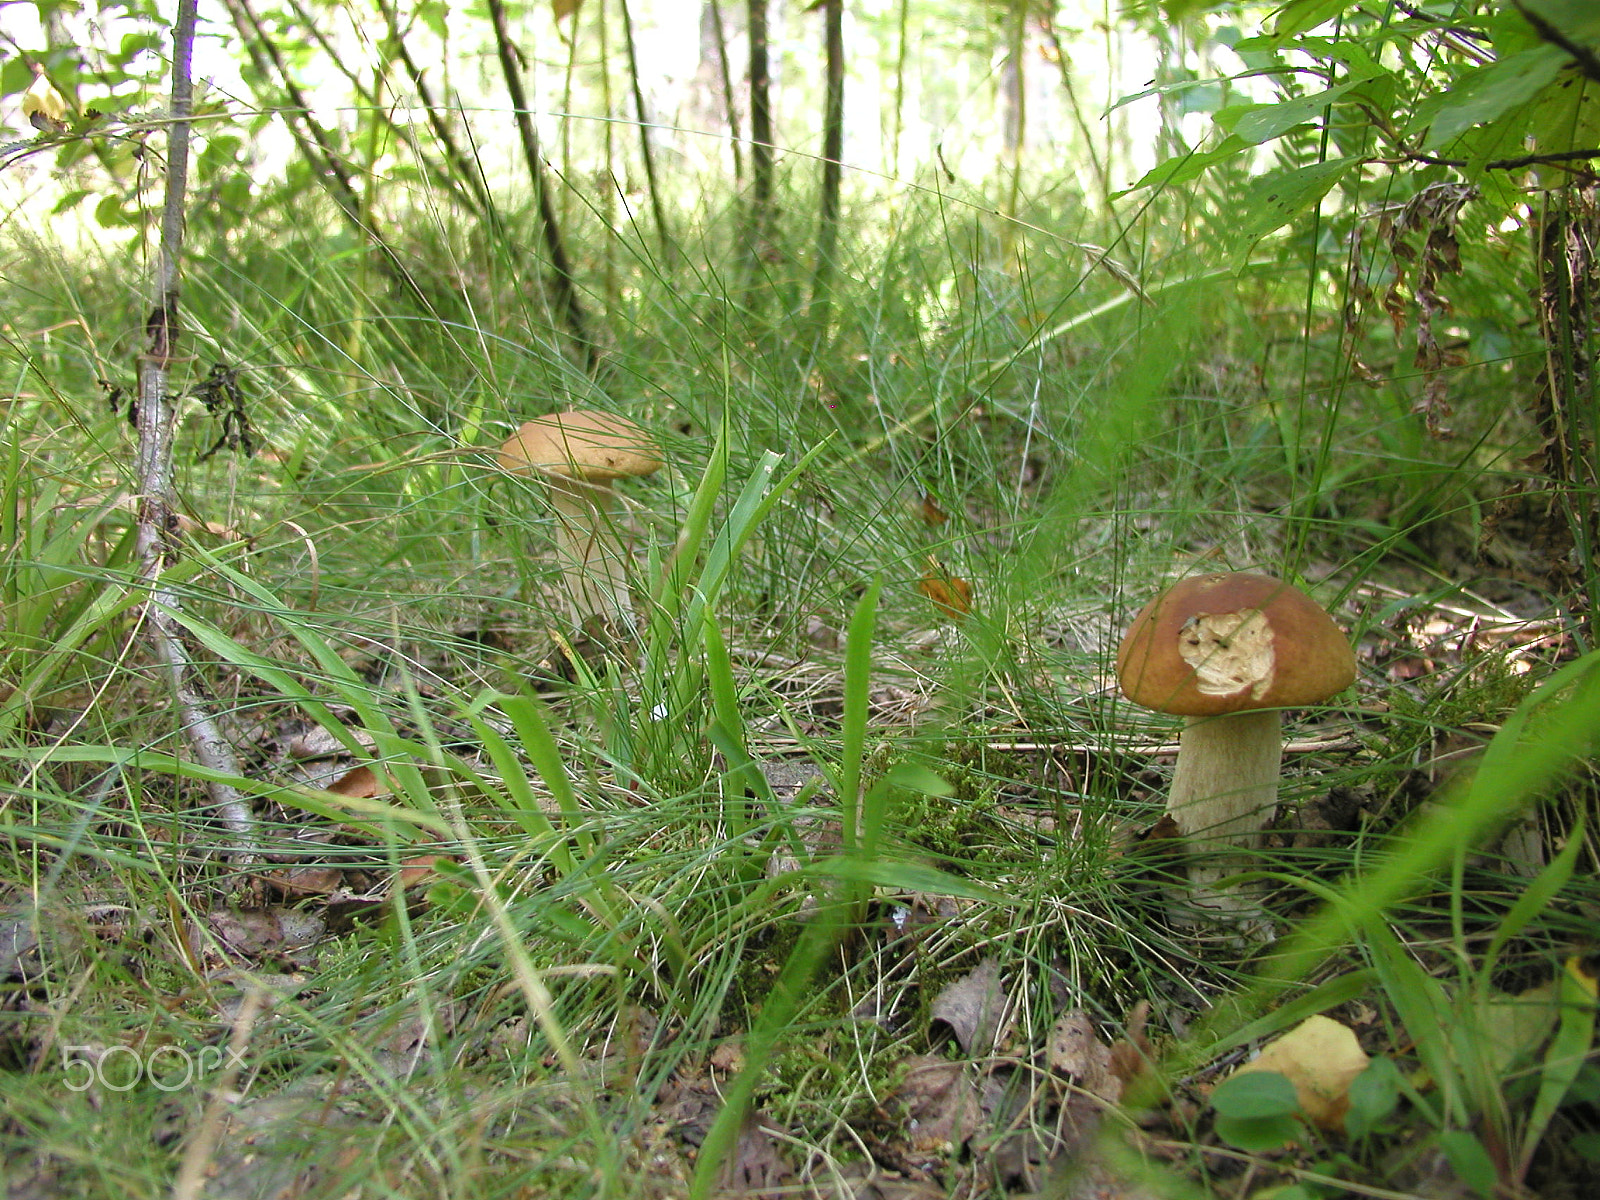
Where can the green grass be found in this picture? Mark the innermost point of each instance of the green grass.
(640, 898)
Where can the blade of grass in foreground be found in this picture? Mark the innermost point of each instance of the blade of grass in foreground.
(823, 926)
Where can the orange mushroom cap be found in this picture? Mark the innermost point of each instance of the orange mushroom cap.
(1232, 642)
(584, 444)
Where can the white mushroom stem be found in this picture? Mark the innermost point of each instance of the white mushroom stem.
(1224, 792)
(1225, 784)
(594, 562)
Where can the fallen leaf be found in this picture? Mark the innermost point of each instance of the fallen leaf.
(358, 782)
(758, 1165)
(303, 881)
(1320, 1057)
(317, 742)
(940, 1102)
(215, 528)
(728, 1057)
(1132, 1055)
(975, 1008)
(1076, 1052)
(253, 933)
(950, 594)
(420, 870)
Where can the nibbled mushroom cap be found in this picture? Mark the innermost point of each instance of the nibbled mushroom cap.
(596, 447)
(1232, 642)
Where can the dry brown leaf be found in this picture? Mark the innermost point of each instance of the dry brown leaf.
(419, 870)
(317, 742)
(1320, 1057)
(303, 881)
(249, 933)
(941, 1104)
(358, 783)
(1131, 1056)
(728, 1057)
(215, 528)
(950, 594)
(976, 1008)
(758, 1166)
(1076, 1052)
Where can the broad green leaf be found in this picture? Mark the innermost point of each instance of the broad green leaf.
(1490, 92)
(1254, 1094)
(1272, 201)
(1185, 167)
(1470, 1161)
(1257, 123)
(1569, 1049)
(1300, 15)
(1576, 20)
(1565, 117)
(1373, 1095)
(916, 778)
(1256, 1111)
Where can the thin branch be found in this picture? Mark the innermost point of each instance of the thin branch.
(154, 464)
(729, 96)
(563, 287)
(643, 116)
(317, 147)
(1585, 59)
(1497, 164)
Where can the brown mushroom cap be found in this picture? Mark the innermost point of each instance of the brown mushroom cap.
(1232, 642)
(595, 447)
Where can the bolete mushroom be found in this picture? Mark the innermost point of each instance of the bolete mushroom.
(579, 455)
(1227, 652)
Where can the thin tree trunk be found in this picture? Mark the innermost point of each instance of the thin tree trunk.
(1014, 126)
(643, 116)
(902, 48)
(568, 74)
(1101, 179)
(459, 166)
(760, 223)
(832, 152)
(563, 289)
(608, 202)
(316, 146)
(154, 466)
(729, 97)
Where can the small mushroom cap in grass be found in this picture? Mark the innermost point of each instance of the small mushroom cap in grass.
(586, 445)
(1232, 642)
(579, 455)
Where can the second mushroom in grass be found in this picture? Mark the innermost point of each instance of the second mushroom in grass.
(1226, 652)
(580, 455)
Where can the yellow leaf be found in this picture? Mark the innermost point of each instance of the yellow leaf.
(1320, 1057)
(44, 107)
